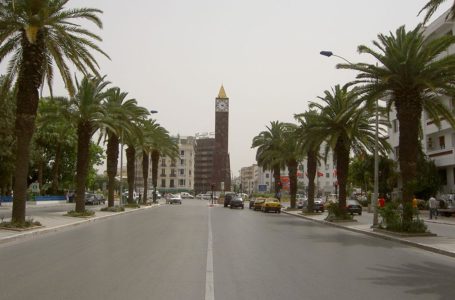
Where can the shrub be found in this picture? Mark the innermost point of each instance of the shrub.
(27, 224)
(116, 208)
(392, 219)
(337, 213)
(86, 213)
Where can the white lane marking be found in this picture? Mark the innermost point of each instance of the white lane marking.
(209, 284)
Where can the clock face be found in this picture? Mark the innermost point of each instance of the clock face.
(222, 105)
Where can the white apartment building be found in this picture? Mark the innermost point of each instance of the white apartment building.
(173, 175)
(438, 143)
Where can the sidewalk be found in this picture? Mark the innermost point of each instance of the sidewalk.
(53, 221)
(443, 243)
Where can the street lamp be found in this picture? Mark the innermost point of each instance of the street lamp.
(376, 150)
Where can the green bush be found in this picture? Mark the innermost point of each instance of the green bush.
(86, 213)
(392, 219)
(337, 213)
(27, 224)
(113, 208)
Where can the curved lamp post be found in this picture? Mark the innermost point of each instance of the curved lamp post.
(376, 149)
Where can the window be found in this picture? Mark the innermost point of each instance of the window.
(327, 175)
(163, 182)
(163, 162)
(442, 142)
(443, 176)
(430, 144)
(181, 182)
(189, 172)
(182, 171)
(182, 162)
(182, 152)
(171, 183)
(172, 172)
(267, 175)
(327, 167)
(173, 163)
(163, 172)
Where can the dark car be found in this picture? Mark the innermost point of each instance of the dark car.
(353, 207)
(90, 198)
(227, 198)
(318, 205)
(236, 202)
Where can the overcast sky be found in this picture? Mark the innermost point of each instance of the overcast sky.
(173, 56)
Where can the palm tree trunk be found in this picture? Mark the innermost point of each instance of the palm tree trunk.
(130, 157)
(407, 113)
(155, 160)
(342, 157)
(311, 169)
(29, 80)
(145, 174)
(55, 169)
(292, 168)
(84, 134)
(111, 166)
(277, 178)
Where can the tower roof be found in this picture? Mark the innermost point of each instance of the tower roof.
(222, 93)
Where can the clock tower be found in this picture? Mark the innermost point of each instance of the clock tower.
(221, 171)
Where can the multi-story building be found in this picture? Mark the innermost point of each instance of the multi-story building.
(249, 179)
(437, 143)
(174, 175)
(203, 163)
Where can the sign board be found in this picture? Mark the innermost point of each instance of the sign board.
(262, 187)
(34, 187)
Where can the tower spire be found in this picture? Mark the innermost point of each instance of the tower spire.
(222, 93)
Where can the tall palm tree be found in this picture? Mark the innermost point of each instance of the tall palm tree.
(413, 75)
(157, 142)
(36, 35)
(311, 148)
(119, 113)
(268, 154)
(432, 6)
(87, 112)
(291, 154)
(345, 126)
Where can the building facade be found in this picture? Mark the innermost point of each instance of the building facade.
(203, 163)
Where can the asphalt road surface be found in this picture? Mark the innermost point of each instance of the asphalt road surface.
(191, 251)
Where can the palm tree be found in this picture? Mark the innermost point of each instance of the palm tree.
(37, 35)
(7, 116)
(291, 154)
(345, 126)
(157, 142)
(268, 154)
(119, 113)
(432, 6)
(311, 148)
(413, 75)
(87, 112)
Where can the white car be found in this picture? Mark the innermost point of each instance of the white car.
(186, 195)
(175, 199)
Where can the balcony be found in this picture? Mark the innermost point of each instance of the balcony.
(442, 157)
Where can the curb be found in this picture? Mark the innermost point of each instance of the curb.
(29, 234)
(379, 235)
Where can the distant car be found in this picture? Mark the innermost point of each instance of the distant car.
(186, 195)
(90, 198)
(301, 200)
(236, 201)
(353, 207)
(318, 205)
(227, 198)
(271, 204)
(100, 198)
(258, 202)
(175, 199)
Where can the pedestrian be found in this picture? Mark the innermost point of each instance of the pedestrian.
(433, 205)
(414, 202)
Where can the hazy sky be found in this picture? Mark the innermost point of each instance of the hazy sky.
(173, 56)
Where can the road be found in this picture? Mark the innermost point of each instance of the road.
(183, 251)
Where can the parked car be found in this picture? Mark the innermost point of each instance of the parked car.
(318, 205)
(236, 201)
(90, 198)
(175, 199)
(271, 204)
(301, 200)
(228, 197)
(186, 195)
(258, 203)
(353, 207)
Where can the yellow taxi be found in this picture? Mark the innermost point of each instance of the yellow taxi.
(271, 204)
(258, 202)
